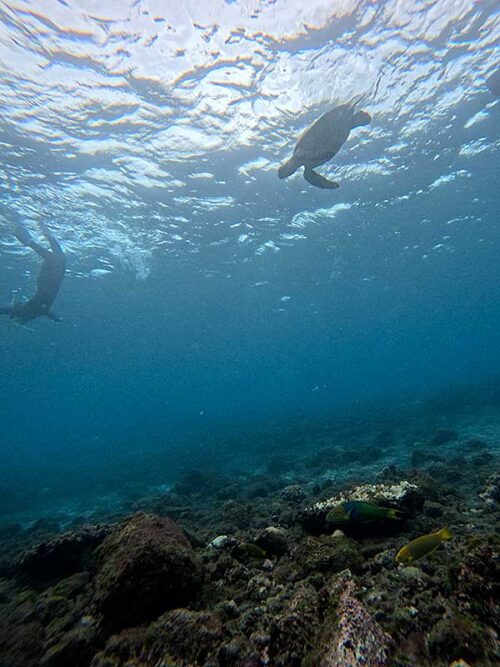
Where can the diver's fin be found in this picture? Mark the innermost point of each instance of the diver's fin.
(52, 316)
(319, 181)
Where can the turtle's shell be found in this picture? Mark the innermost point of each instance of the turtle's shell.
(323, 139)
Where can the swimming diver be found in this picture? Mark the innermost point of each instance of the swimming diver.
(48, 283)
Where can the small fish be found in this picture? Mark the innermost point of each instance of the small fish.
(360, 511)
(422, 546)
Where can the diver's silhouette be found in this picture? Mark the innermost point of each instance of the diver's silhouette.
(48, 283)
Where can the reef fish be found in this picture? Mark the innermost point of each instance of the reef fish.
(360, 511)
(422, 546)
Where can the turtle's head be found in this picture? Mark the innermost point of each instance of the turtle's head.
(288, 168)
(361, 118)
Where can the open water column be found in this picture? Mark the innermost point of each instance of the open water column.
(249, 333)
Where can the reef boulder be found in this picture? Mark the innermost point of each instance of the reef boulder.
(273, 540)
(60, 556)
(144, 567)
(358, 639)
(328, 554)
(192, 637)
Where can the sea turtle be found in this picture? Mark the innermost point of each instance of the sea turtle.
(321, 142)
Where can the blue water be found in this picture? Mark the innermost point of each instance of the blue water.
(206, 301)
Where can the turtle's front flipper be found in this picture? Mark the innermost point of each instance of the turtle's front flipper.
(288, 168)
(319, 181)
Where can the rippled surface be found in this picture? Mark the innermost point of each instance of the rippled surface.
(158, 126)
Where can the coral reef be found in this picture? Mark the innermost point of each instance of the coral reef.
(245, 571)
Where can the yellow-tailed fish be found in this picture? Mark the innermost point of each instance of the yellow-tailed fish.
(422, 546)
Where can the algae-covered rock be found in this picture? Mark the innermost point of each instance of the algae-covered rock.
(63, 555)
(328, 554)
(122, 649)
(273, 540)
(461, 637)
(475, 580)
(190, 636)
(21, 645)
(295, 629)
(76, 647)
(356, 639)
(145, 567)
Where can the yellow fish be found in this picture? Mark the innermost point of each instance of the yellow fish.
(422, 546)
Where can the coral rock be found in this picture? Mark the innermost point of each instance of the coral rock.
(359, 639)
(145, 567)
(292, 493)
(221, 541)
(273, 540)
(460, 636)
(328, 554)
(64, 555)
(491, 493)
(76, 647)
(190, 636)
(404, 494)
(295, 630)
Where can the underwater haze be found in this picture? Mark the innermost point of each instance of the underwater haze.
(206, 301)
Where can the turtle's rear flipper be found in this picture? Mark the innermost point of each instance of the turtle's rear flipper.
(319, 181)
(288, 168)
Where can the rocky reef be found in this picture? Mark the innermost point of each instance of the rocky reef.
(245, 571)
(143, 568)
(358, 639)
